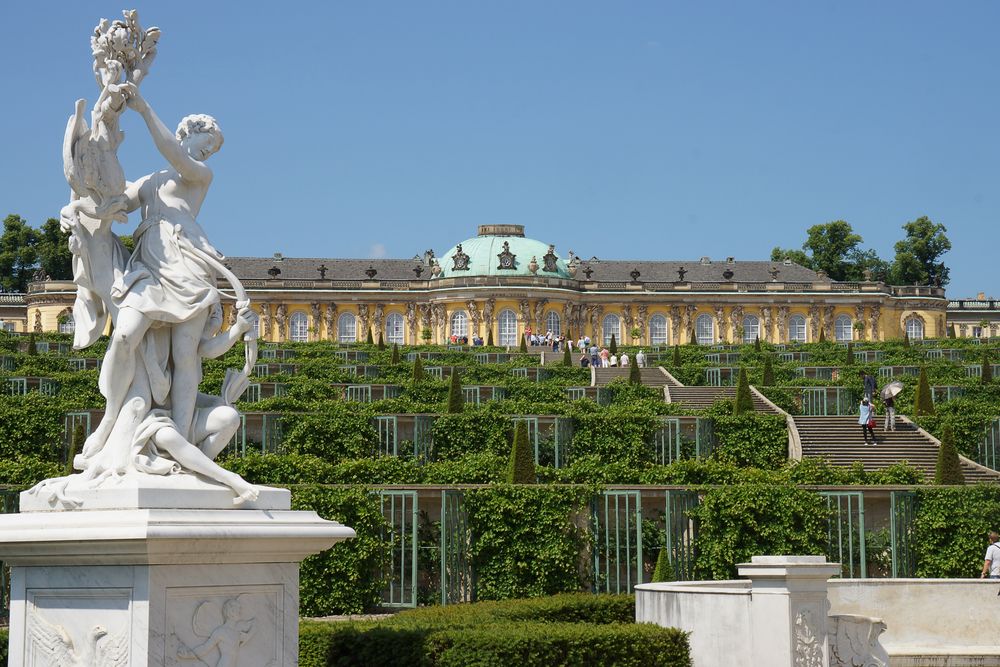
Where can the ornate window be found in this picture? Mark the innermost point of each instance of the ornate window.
(796, 329)
(914, 328)
(347, 328)
(507, 327)
(657, 330)
(553, 323)
(298, 328)
(751, 328)
(255, 320)
(611, 325)
(394, 328)
(843, 328)
(66, 324)
(459, 323)
(704, 329)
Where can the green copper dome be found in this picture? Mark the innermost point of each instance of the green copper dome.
(502, 250)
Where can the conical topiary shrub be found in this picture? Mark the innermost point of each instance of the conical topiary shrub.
(948, 469)
(524, 344)
(489, 338)
(756, 344)
(849, 360)
(368, 339)
(521, 467)
(744, 399)
(456, 402)
(987, 375)
(634, 375)
(613, 346)
(951, 331)
(32, 346)
(694, 339)
(567, 357)
(394, 360)
(381, 341)
(664, 570)
(677, 357)
(75, 446)
(418, 369)
(822, 335)
(906, 339)
(923, 402)
(768, 380)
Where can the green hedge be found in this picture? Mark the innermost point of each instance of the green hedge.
(4, 642)
(562, 630)
(950, 529)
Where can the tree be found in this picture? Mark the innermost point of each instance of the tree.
(987, 374)
(768, 371)
(394, 360)
(795, 256)
(948, 469)
(489, 338)
(381, 341)
(613, 346)
(634, 374)
(923, 402)
(524, 344)
(418, 370)
(75, 446)
(18, 254)
(918, 255)
(849, 359)
(822, 335)
(456, 402)
(567, 357)
(694, 339)
(744, 399)
(906, 339)
(368, 338)
(676, 361)
(54, 256)
(32, 347)
(830, 245)
(866, 265)
(664, 570)
(756, 344)
(521, 467)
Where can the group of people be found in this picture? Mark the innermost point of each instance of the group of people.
(603, 358)
(867, 412)
(550, 339)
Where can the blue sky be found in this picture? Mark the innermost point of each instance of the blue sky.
(624, 130)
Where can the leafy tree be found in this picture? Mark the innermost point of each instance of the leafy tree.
(829, 245)
(54, 255)
(18, 253)
(521, 468)
(456, 402)
(768, 380)
(613, 346)
(948, 469)
(987, 374)
(634, 374)
(664, 570)
(923, 402)
(864, 263)
(32, 347)
(418, 369)
(918, 255)
(394, 359)
(796, 256)
(744, 400)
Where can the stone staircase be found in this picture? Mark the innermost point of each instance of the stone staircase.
(651, 377)
(700, 398)
(839, 440)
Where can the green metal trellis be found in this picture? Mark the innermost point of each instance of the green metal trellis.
(400, 511)
(903, 510)
(617, 525)
(457, 583)
(681, 532)
(846, 531)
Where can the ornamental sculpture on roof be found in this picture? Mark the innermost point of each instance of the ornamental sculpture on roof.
(460, 259)
(507, 259)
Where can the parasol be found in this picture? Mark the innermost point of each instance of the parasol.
(892, 389)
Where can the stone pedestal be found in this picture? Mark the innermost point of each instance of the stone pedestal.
(164, 584)
(788, 617)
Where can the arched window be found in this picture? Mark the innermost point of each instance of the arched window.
(751, 328)
(347, 328)
(553, 323)
(796, 329)
(914, 328)
(611, 325)
(459, 323)
(298, 328)
(255, 322)
(394, 328)
(66, 324)
(704, 330)
(657, 330)
(507, 326)
(843, 328)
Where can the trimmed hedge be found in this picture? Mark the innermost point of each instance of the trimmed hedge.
(577, 629)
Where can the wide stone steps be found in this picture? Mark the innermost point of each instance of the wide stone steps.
(840, 441)
(700, 398)
(651, 377)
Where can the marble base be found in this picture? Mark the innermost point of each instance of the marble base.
(144, 587)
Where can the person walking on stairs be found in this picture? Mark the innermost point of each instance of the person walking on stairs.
(866, 417)
(890, 413)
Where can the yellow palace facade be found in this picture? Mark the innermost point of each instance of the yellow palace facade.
(499, 283)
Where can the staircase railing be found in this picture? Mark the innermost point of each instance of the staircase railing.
(989, 471)
(794, 441)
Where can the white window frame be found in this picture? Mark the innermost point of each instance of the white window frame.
(658, 330)
(796, 329)
(843, 329)
(553, 323)
(704, 329)
(611, 324)
(751, 328)
(298, 327)
(347, 328)
(914, 327)
(507, 327)
(68, 326)
(394, 331)
(459, 325)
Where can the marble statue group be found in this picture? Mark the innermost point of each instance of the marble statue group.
(162, 299)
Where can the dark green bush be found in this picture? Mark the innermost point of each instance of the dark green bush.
(950, 529)
(456, 402)
(948, 470)
(744, 400)
(521, 466)
(752, 439)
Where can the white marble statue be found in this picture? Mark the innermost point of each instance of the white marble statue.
(163, 300)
